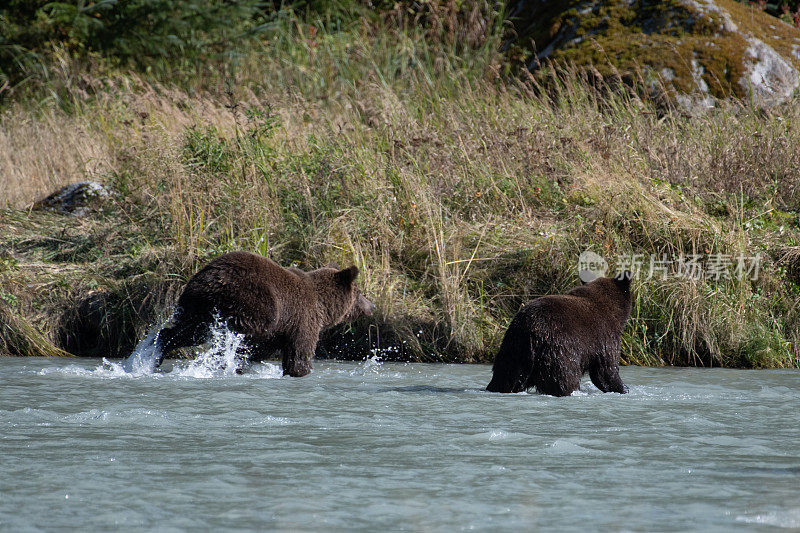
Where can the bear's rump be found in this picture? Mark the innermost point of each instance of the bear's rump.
(248, 309)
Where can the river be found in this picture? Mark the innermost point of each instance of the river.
(376, 446)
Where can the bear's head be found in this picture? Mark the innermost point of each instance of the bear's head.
(338, 295)
(613, 294)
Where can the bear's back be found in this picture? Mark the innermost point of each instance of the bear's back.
(249, 288)
(562, 319)
(578, 323)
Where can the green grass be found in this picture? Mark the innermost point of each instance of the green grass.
(460, 194)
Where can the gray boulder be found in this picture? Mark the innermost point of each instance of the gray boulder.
(76, 199)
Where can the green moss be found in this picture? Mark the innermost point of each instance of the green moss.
(783, 37)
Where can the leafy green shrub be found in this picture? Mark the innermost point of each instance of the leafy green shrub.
(138, 32)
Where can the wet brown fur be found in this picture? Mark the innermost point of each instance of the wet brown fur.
(274, 307)
(552, 341)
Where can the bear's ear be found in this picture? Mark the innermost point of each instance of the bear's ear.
(623, 279)
(346, 277)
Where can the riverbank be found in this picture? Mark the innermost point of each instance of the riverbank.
(460, 194)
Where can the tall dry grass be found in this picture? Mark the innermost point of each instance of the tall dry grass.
(36, 155)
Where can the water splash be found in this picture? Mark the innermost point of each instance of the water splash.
(144, 357)
(226, 355)
(371, 365)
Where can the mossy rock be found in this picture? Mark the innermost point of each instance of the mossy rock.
(75, 199)
(693, 50)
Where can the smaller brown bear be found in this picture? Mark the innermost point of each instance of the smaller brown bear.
(275, 308)
(553, 340)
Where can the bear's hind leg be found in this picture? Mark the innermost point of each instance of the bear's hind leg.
(185, 332)
(606, 378)
(513, 363)
(509, 377)
(259, 350)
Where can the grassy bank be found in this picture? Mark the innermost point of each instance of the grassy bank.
(461, 195)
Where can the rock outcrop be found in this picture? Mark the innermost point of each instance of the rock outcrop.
(696, 50)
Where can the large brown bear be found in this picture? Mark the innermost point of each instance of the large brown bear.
(273, 307)
(552, 341)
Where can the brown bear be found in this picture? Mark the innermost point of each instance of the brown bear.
(552, 341)
(275, 308)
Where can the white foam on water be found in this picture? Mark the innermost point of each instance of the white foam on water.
(374, 363)
(567, 447)
(789, 518)
(270, 420)
(371, 365)
(265, 371)
(140, 362)
(87, 416)
(107, 369)
(498, 434)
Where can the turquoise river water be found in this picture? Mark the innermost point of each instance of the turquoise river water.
(377, 446)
